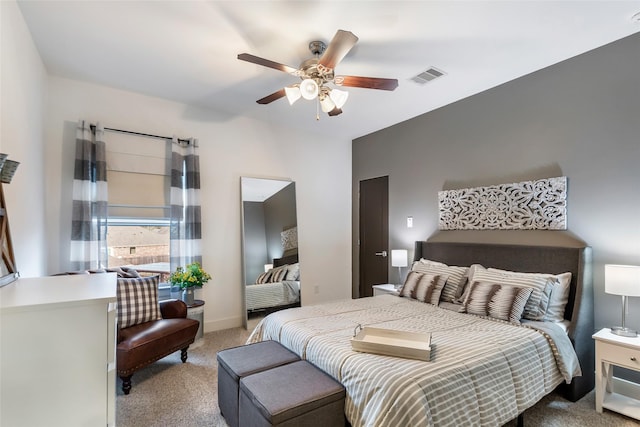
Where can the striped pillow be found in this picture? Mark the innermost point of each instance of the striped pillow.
(541, 286)
(559, 293)
(279, 273)
(137, 300)
(423, 287)
(456, 277)
(499, 301)
(264, 277)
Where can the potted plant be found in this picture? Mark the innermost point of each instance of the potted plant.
(188, 278)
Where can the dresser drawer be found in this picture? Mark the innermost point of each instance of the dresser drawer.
(618, 355)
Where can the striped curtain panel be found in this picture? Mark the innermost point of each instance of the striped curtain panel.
(89, 211)
(186, 230)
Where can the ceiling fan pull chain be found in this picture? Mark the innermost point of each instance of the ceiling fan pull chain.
(318, 109)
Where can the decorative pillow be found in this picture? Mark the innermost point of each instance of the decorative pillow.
(558, 300)
(499, 301)
(125, 272)
(559, 292)
(541, 286)
(264, 277)
(423, 287)
(456, 277)
(293, 272)
(279, 273)
(137, 300)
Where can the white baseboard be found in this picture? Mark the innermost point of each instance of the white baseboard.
(220, 324)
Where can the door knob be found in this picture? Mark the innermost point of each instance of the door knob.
(383, 254)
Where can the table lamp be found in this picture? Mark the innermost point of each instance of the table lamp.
(622, 280)
(399, 259)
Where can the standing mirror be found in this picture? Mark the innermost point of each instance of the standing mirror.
(270, 264)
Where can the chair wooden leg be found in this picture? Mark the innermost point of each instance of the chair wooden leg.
(183, 354)
(126, 384)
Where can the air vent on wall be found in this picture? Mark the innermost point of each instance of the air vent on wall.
(428, 75)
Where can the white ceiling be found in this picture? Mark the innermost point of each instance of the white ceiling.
(187, 50)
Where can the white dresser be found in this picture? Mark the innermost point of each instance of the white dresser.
(57, 351)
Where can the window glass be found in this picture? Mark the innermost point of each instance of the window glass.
(142, 244)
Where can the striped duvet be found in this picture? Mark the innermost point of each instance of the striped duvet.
(267, 295)
(482, 372)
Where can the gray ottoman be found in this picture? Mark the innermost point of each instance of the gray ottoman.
(293, 395)
(237, 362)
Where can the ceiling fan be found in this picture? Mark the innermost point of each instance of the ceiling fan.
(316, 73)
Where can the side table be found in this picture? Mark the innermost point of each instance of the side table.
(621, 351)
(387, 288)
(195, 311)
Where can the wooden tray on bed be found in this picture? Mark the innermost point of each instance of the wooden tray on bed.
(389, 342)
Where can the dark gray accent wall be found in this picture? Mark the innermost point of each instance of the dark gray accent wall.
(280, 215)
(255, 241)
(579, 118)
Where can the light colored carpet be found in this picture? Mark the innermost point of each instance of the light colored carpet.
(170, 393)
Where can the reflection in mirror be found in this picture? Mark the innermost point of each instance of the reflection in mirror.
(271, 272)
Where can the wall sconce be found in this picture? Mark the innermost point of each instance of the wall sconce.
(622, 280)
(399, 259)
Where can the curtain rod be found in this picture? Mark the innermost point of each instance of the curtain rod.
(130, 132)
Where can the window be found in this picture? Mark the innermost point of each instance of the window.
(139, 243)
(138, 223)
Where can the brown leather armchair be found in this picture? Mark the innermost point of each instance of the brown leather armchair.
(142, 344)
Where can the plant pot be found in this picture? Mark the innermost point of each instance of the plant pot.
(188, 296)
(176, 292)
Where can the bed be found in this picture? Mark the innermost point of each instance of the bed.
(279, 294)
(481, 371)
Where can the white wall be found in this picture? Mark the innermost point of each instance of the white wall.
(230, 147)
(23, 89)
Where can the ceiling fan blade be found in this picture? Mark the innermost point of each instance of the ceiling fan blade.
(266, 63)
(339, 46)
(335, 112)
(273, 97)
(366, 82)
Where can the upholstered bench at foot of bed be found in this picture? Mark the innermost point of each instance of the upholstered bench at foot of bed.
(293, 395)
(238, 362)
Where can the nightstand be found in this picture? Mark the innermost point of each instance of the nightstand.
(615, 350)
(387, 288)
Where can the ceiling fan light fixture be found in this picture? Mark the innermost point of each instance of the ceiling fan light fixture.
(326, 104)
(339, 97)
(308, 89)
(293, 93)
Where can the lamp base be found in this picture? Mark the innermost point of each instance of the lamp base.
(623, 332)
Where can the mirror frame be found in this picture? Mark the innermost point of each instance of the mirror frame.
(243, 180)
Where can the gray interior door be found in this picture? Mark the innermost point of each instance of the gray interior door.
(374, 233)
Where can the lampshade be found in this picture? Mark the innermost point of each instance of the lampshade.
(308, 89)
(339, 97)
(327, 104)
(622, 280)
(293, 93)
(399, 258)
